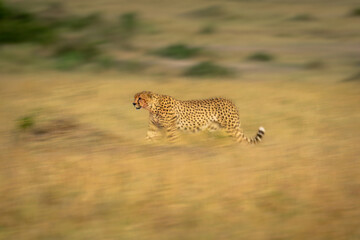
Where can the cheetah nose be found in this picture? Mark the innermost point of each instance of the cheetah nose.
(134, 104)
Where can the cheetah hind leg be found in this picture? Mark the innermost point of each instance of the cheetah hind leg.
(237, 133)
(213, 126)
(234, 131)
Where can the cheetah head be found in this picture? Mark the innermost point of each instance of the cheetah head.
(143, 100)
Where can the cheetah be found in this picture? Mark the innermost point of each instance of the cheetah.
(170, 114)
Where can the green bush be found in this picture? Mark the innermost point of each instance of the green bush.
(69, 61)
(18, 26)
(208, 69)
(207, 29)
(74, 54)
(214, 11)
(105, 62)
(316, 64)
(129, 23)
(178, 51)
(13, 31)
(26, 122)
(78, 23)
(87, 50)
(15, 14)
(260, 56)
(128, 26)
(303, 17)
(355, 12)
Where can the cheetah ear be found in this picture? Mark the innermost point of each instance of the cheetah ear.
(150, 94)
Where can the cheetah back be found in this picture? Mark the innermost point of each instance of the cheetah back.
(195, 115)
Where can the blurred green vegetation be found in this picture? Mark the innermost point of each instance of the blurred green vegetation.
(178, 51)
(73, 54)
(303, 17)
(17, 26)
(78, 23)
(261, 56)
(56, 35)
(129, 24)
(355, 12)
(208, 29)
(62, 37)
(214, 11)
(316, 64)
(208, 69)
(26, 122)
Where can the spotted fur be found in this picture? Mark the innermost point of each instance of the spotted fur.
(171, 115)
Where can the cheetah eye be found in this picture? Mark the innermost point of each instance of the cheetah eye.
(139, 98)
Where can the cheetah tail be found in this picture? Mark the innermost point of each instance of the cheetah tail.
(257, 139)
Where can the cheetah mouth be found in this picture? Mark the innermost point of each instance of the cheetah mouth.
(137, 108)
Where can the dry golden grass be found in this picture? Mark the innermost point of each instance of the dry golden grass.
(99, 179)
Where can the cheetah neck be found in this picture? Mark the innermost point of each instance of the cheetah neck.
(153, 104)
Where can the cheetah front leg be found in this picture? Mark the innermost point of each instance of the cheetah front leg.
(171, 133)
(171, 129)
(154, 131)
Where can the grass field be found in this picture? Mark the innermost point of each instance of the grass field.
(75, 163)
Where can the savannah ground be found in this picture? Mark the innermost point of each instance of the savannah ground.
(83, 169)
